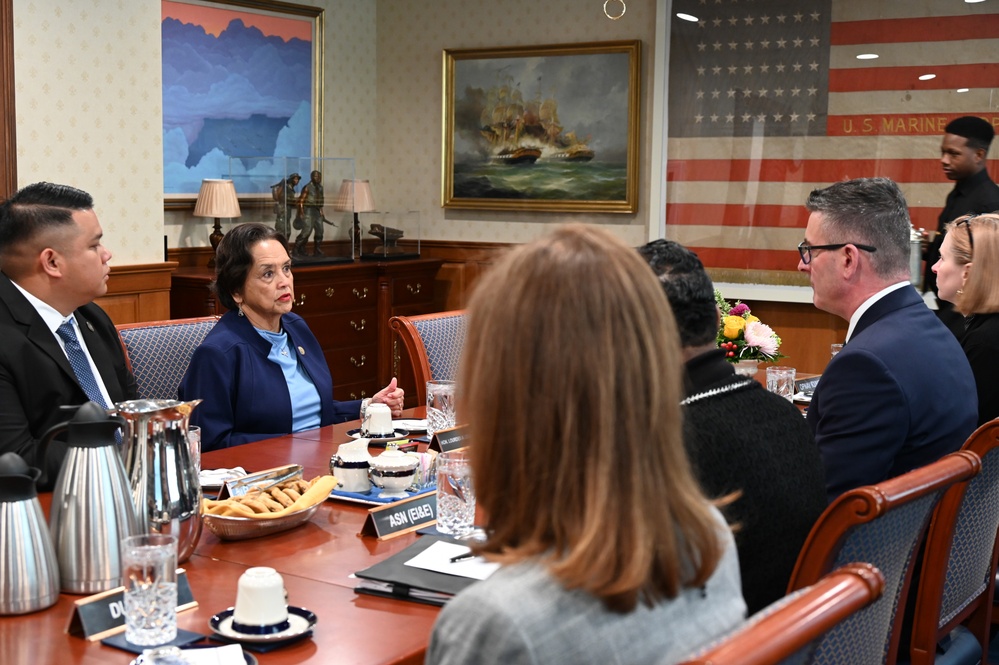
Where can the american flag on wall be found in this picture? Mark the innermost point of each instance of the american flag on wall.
(767, 101)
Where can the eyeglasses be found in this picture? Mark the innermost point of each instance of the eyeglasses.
(805, 250)
(966, 223)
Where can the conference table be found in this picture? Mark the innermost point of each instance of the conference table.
(315, 561)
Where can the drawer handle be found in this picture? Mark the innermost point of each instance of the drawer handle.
(362, 294)
(413, 289)
(329, 292)
(363, 395)
(353, 324)
(300, 301)
(357, 363)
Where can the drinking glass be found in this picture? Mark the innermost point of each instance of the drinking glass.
(834, 349)
(440, 406)
(149, 564)
(780, 380)
(455, 494)
(194, 443)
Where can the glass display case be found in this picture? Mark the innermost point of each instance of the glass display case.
(387, 236)
(298, 196)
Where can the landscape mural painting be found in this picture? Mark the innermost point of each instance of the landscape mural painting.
(542, 128)
(236, 83)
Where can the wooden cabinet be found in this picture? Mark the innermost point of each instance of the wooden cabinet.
(347, 307)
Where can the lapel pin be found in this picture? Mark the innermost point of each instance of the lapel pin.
(301, 350)
(90, 325)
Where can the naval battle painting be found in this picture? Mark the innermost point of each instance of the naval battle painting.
(550, 128)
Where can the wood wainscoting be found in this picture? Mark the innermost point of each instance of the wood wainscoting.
(138, 292)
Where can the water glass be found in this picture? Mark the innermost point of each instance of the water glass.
(149, 570)
(440, 406)
(455, 494)
(780, 380)
(834, 349)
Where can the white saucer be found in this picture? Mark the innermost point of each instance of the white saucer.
(802, 398)
(414, 425)
(300, 622)
(398, 434)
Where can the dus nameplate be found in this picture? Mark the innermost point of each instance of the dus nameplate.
(449, 439)
(103, 614)
(399, 517)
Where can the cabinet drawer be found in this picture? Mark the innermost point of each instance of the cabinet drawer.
(358, 390)
(412, 289)
(354, 364)
(344, 329)
(324, 295)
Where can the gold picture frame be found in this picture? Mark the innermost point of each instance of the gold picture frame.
(549, 128)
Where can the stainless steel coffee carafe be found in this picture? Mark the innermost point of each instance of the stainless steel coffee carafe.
(91, 504)
(29, 573)
(164, 483)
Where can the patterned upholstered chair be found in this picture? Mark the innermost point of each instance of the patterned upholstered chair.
(434, 343)
(959, 564)
(794, 627)
(882, 525)
(159, 352)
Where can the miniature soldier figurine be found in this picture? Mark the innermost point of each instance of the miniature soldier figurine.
(310, 207)
(283, 193)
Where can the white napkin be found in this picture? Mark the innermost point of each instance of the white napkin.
(219, 477)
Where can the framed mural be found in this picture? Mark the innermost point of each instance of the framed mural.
(549, 128)
(240, 78)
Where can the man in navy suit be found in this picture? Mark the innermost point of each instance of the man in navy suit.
(53, 265)
(901, 393)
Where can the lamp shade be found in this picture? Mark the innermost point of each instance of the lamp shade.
(217, 198)
(355, 195)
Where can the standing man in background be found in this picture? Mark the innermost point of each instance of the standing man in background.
(59, 348)
(963, 155)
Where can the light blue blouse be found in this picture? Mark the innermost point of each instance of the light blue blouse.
(305, 403)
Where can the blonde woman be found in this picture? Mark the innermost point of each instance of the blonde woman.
(968, 276)
(571, 387)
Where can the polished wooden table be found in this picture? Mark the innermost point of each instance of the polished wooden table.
(315, 560)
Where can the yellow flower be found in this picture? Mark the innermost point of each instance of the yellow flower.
(734, 325)
(750, 318)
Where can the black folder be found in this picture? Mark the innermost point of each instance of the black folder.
(391, 578)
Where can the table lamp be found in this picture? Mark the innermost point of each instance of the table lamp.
(217, 199)
(355, 196)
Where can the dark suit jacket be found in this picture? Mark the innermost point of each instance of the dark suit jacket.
(244, 395)
(898, 396)
(36, 378)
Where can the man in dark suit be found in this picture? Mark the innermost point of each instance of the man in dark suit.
(901, 393)
(57, 348)
(963, 153)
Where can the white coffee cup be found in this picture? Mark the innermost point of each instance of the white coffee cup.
(376, 422)
(261, 603)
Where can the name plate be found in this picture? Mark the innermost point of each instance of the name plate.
(449, 439)
(806, 386)
(103, 614)
(399, 517)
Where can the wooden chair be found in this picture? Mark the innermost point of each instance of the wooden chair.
(158, 352)
(959, 563)
(434, 343)
(882, 525)
(794, 627)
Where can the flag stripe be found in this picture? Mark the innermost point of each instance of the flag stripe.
(968, 52)
(945, 103)
(930, 29)
(770, 216)
(809, 170)
(759, 259)
(982, 75)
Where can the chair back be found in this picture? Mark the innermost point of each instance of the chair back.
(158, 352)
(880, 524)
(434, 343)
(959, 562)
(792, 628)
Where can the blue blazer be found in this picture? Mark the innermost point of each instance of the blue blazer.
(898, 396)
(244, 395)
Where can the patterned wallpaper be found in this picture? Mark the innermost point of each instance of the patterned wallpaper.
(88, 85)
(88, 105)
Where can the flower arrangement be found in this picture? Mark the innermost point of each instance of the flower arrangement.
(743, 336)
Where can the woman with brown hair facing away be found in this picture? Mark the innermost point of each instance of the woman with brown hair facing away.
(570, 384)
(968, 276)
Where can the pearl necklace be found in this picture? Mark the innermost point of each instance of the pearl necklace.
(717, 391)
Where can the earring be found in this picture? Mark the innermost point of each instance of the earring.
(239, 306)
(960, 292)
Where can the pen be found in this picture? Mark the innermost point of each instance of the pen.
(462, 557)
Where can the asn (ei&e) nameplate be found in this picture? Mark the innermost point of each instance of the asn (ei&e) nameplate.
(103, 614)
(449, 439)
(399, 517)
